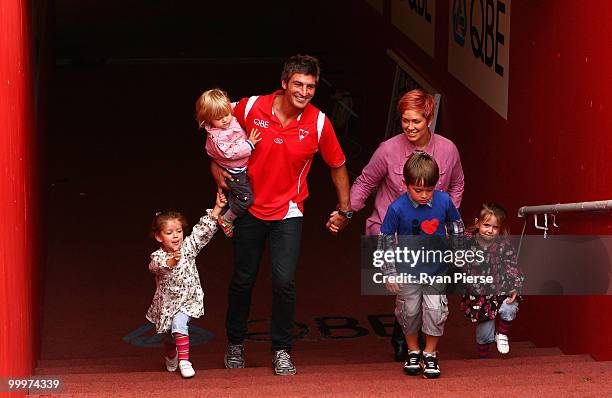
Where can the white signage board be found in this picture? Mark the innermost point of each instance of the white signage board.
(416, 19)
(479, 49)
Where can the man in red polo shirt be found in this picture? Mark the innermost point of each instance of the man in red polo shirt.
(292, 131)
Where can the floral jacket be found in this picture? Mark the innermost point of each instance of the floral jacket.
(481, 302)
(179, 289)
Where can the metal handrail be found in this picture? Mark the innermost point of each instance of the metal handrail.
(600, 205)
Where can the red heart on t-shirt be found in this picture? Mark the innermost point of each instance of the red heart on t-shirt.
(430, 226)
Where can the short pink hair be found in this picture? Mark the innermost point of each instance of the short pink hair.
(419, 101)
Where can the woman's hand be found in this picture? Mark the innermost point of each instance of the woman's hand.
(336, 222)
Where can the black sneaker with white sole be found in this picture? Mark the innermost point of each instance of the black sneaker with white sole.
(412, 366)
(281, 361)
(234, 356)
(431, 370)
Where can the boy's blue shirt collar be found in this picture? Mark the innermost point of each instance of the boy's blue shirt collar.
(416, 204)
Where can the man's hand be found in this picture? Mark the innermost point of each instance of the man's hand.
(393, 287)
(336, 222)
(340, 179)
(220, 174)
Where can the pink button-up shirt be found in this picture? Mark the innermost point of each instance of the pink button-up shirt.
(384, 174)
(229, 147)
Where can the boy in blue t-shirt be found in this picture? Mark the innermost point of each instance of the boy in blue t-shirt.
(423, 211)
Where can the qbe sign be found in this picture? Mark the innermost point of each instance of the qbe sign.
(479, 48)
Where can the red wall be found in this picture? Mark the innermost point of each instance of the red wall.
(555, 146)
(18, 207)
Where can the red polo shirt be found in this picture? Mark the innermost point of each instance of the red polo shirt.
(281, 160)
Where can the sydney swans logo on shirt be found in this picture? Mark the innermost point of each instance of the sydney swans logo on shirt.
(303, 133)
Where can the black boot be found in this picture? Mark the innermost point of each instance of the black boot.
(398, 341)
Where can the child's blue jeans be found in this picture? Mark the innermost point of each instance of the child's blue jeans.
(180, 323)
(485, 331)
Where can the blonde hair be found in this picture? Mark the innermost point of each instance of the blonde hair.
(212, 105)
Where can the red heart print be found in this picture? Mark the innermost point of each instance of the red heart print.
(430, 226)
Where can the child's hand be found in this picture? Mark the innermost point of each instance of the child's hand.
(512, 297)
(393, 287)
(174, 259)
(221, 199)
(255, 136)
(220, 203)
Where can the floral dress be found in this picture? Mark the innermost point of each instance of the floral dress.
(179, 289)
(482, 301)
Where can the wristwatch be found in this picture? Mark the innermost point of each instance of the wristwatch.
(346, 214)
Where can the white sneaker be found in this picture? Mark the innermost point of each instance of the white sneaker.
(172, 364)
(186, 369)
(502, 343)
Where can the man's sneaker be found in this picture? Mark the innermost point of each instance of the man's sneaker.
(172, 363)
(234, 356)
(431, 370)
(226, 225)
(186, 369)
(282, 363)
(412, 366)
(502, 343)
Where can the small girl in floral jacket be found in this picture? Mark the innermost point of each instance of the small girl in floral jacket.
(482, 303)
(178, 295)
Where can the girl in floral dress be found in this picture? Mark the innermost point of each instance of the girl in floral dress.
(178, 295)
(485, 304)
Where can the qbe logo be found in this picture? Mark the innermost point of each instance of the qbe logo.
(261, 123)
(477, 22)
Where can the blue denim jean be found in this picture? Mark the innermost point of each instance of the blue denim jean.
(180, 323)
(485, 331)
